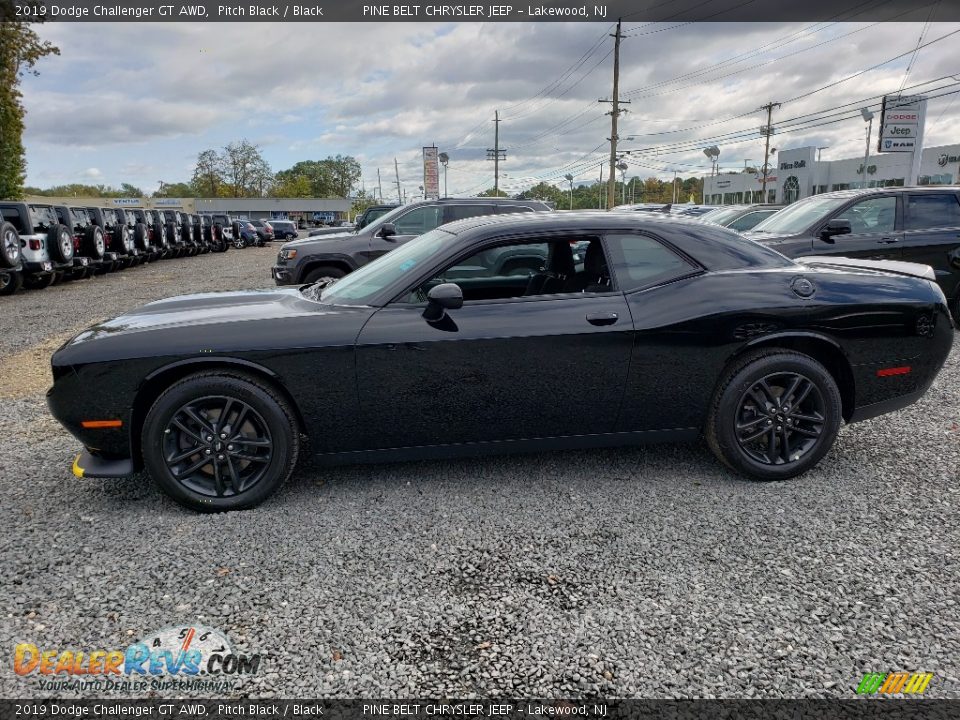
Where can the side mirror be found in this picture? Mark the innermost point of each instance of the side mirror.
(837, 226)
(447, 296)
(388, 230)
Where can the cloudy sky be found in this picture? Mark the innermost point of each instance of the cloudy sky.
(128, 102)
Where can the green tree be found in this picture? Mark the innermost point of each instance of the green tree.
(175, 190)
(208, 174)
(333, 177)
(361, 201)
(243, 168)
(547, 192)
(490, 192)
(20, 50)
(292, 186)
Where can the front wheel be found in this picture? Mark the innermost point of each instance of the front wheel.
(10, 282)
(324, 273)
(775, 415)
(217, 442)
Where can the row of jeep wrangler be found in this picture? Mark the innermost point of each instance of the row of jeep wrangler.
(44, 244)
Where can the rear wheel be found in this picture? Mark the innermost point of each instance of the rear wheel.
(775, 415)
(10, 282)
(324, 273)
(216, 442)
(60, 243)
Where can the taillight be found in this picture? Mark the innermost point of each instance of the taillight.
(34, 244)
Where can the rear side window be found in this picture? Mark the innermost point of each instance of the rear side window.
(11, 215)
(746, 222)
(639, 261)
(932, 211)
(504, 209)
(79, 217)
(462, 212)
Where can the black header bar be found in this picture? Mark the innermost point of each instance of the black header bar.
(631, 11)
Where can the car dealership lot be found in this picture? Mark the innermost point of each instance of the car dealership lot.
(636, 572)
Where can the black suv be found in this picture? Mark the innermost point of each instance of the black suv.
(284, 229)
(91, 239)
(173, 226)
(156, 232)
(86, 259)
(914, 224)
(333, 256)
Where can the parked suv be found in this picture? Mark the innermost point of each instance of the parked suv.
(156, 232)
(46, 246)
(284, 229)
(92, 241)
(117, 234)
(333, 256)
(85, 263)
(916, 224)
(173, 227)
(264, 230)
(229, 228)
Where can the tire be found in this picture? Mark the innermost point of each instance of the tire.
(219, 244)
(268, 416)
(60, 244)
(39, 282)
(737, 401)
(140, 238)
(160, 238)
(9, 245)
(324, 272)
(955, 310)
(10, 282)
(170, 233)
(93, 243)
(239, 243)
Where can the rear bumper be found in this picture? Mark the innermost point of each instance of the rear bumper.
(88, 465)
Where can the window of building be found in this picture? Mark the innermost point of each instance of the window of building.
(932, 211)
(840, 186)
(791, 190)
(772, 196)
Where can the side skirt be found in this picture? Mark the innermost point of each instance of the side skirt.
(503, 447)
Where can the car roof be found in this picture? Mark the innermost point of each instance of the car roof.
(891, 188)
(713, 246)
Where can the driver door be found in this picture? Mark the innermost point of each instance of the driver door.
(505, 366)
(419, 220)
(876, 230)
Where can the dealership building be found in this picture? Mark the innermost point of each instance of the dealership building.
(798, 174)
(242, 208)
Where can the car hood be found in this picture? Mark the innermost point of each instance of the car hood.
(216, 308)
(319, 239)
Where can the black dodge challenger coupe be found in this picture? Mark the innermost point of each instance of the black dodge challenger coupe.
(666, 330)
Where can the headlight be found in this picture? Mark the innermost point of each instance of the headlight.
(288, 254)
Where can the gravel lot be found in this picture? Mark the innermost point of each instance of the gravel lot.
(641, 572)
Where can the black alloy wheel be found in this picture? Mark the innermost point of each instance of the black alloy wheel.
(780, 418)
(10, 282)
(775, 414)
(217, 442)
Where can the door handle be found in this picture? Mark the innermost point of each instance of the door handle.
(608, 318)
(888, 241)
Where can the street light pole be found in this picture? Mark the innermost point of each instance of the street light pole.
(868, 116)
(569, 178)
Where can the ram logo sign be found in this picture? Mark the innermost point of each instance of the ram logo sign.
(893, 683)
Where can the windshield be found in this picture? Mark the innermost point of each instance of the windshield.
(359, 287)
(800, 216)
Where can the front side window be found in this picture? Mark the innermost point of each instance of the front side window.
(420, 220)
(524, 269)
(932, 211)
(639, 261)
(877, 215)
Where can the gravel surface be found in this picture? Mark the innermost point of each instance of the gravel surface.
(640, 572)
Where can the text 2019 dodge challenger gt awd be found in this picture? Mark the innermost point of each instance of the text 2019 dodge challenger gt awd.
(486, 336)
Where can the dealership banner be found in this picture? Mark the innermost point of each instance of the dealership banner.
(507, 709)
(482, 11)
(431, 173)
(901, 123)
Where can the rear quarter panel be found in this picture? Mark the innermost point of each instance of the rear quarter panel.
(688, 332)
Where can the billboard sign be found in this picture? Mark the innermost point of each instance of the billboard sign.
(901, 126)
(431, 173)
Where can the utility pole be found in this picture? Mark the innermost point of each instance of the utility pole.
(396, 169)
(600, 190)
(767, 131)
(614, 114)
(495, 153)
(379, 185)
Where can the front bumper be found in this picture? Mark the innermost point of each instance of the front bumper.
(282, 275)
(87, 464)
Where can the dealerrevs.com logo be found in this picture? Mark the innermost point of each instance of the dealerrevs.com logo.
(893, 683)
(174, 658)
